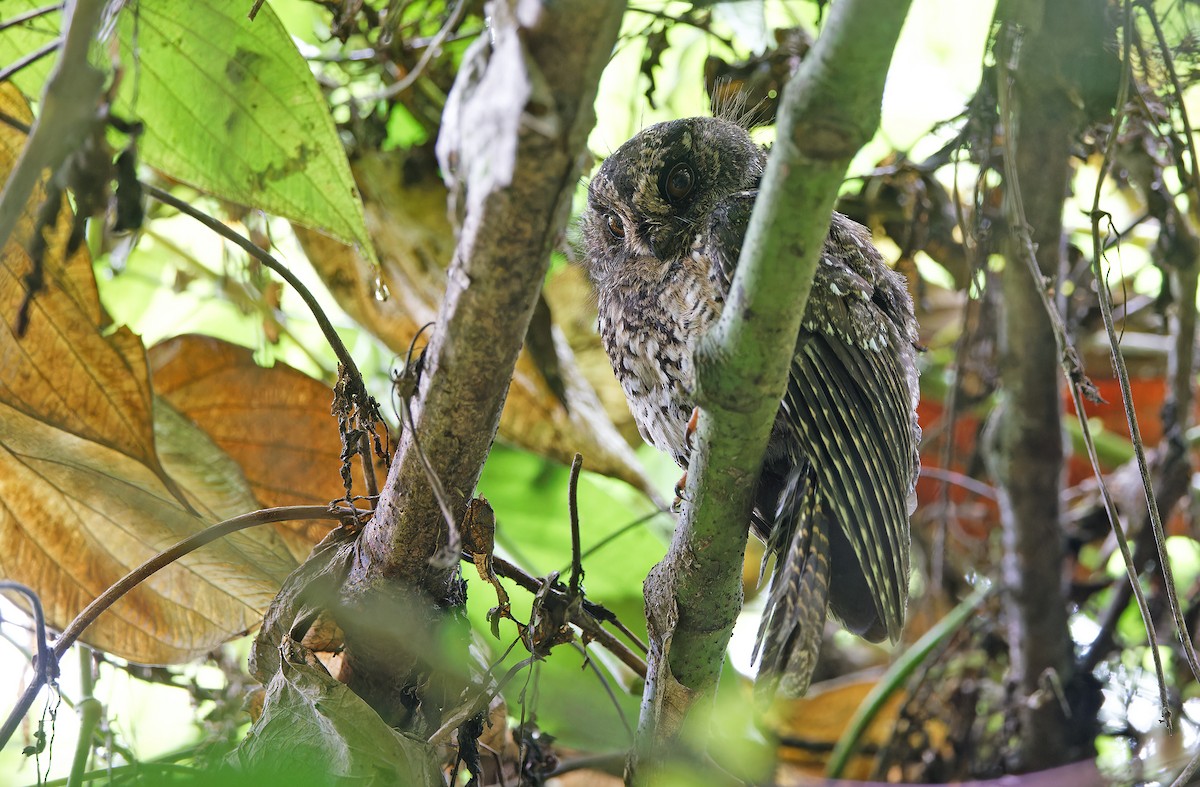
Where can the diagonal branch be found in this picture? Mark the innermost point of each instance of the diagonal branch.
(513, 143)
(829, 110)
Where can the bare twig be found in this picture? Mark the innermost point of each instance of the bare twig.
(446, 552)
(452, 723)
(368, 465)
(1127, 557)
(402, 84)
(612, 696)
(1122, 540)
(613, 536)
(588, 619)
(573, 508)
(1122, 372)
(404, 385)
(1019, 225)
(1168, 61)
(952, 478)
(1185, 776)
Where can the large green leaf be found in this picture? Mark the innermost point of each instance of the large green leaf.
(231, 107)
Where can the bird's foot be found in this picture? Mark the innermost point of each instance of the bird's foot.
(680, 488)
(688, 434)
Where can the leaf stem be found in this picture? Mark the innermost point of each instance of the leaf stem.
(331, 335)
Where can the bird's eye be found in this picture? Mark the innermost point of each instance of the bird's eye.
(679, 182)
(615, 225)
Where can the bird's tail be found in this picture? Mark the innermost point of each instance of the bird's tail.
(789, 637)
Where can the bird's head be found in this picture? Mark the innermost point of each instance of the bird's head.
(653, 195)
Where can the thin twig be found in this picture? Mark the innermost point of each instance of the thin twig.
(368, 464)
(620, 531)
(1130, 566)
(950, 404)
(1139, 448)
(1068, 358)
(47, 667)
(138, 575)
(1185, 776)
(573, 509)
(399, 86)
(612, 696)
(453, 539)
(952, 478)
(1122, 371)
(1169, 62)
(587, 619)
(442, 734)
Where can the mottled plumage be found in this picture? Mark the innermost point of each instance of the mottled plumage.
(663, 230)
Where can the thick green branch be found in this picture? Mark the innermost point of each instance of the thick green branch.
(829, 110)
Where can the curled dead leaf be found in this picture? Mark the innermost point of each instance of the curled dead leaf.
(274, 423)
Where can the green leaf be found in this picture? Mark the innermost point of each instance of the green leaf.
(315, 730)
(231, 107)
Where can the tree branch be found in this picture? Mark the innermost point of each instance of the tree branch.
(513, 143)
(68, 108)
(829, 110)
(1040, 84)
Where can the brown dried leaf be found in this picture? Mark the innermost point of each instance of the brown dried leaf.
(75, 516)
(83, 496)
(95, 385)
(273, 422)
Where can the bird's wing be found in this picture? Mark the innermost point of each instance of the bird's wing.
(849, 414)
(849, 405)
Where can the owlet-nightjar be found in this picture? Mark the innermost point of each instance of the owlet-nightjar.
(662, 231)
